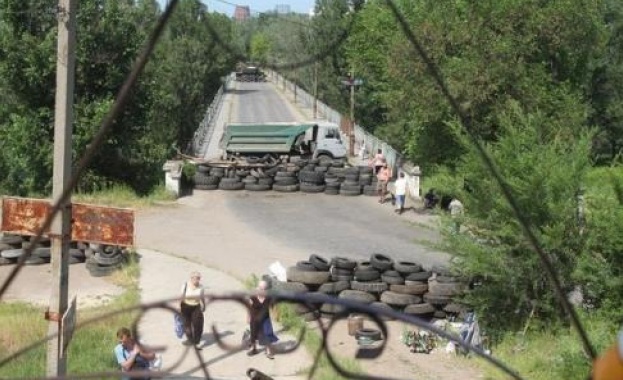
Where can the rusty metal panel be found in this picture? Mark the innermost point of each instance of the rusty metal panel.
(23, 216)
(90, 223)
(99, 224)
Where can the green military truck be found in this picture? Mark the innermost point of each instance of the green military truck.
(267, 144)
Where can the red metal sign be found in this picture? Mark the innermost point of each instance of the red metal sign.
(90, 223)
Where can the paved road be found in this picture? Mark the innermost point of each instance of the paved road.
(330, 226)
(259, 103)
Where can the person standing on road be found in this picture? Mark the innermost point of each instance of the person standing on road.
(130, 356)
(384, 175)
(259, 322)
(401, 192)
(192, 308)
(378, 161)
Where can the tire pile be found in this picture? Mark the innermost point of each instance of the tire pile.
(402, 286)
(100, 260)
(308, 176)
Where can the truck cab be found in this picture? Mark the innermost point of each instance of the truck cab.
(326, 140)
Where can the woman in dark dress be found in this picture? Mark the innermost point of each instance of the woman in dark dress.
(260, 324)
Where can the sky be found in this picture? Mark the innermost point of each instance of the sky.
(227, 6)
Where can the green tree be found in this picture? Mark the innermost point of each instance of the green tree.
(545, 166)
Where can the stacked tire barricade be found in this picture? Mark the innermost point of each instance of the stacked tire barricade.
(99, 259)
(308, 176)
(381, 282)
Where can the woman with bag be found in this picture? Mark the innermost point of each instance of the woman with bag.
(259, 322)
(192, 308)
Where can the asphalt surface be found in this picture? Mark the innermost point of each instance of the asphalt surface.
(353, 227)
(258, 102)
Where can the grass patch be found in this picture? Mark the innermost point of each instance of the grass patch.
(312, 341)
(552, 353)
(91, 348)
(123, 196)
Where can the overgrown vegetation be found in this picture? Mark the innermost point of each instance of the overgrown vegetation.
(167, 104)
(91, 346)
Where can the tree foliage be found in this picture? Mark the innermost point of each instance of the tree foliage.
(167, 104)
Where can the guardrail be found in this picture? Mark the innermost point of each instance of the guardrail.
(204, 132)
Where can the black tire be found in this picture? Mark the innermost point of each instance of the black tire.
(307, 277)
(206, 187)
(446, 289)
(381, 262)
(249, 180)
(358, 296)
(320, 169)
(383, 306)
(434, 299)
(349, 193)
(308, 188)
(4, 261)
(407, 267)
(76, 260)
(34, 260)
(347, 187)
(11, 239)
(417, 289)
(311, 177)
(256, 187)
(319, 262)
(391, 273)
(294, 287)
(419, 309)
(108, 261)
(44, 252)
(392, 280)
(330, 191)
(341, 271)
(306, 266)
(99, 271)
(363, 182)
(5, 246)
(341, 277)
(286, 189)
(418, 276)
(265, 181)
(201, 179)
(334, 287)
(352, 177)
(367, 275)
(440, 314)
(364, 265)
(229, 180)
(371, 334)
(286, 181)
(228, 186)
(371, 287)
(12, 253)
(343, 263)
(399, 299)
(202, 169)
(284, 174)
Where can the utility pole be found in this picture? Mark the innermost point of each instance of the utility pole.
(295, 85)
(60, 230)
(315, 107)
(351, 135)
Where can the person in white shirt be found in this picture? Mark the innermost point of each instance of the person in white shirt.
(456, 210)
(192, 308)
(401, 192)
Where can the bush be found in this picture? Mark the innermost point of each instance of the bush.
(544, 168)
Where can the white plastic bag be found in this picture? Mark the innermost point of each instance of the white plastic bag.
(278, 270)
(156, 363)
